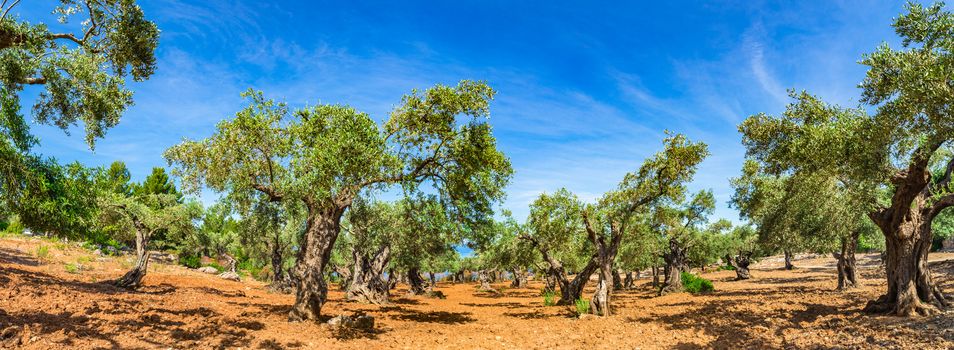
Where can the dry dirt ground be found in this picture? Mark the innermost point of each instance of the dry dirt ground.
(57, 301)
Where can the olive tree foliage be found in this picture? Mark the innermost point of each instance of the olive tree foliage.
(508, 252)
(142, 216)
(893, 149)
(325, 156)
(555, 230)
(81, 77)
(660, 179)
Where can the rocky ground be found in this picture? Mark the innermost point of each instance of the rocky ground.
(55, 300)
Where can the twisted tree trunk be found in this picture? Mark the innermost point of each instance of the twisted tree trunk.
(519, 278)
(484, 277)
(846, 262)
(133, 278)
(675, 264)
(570, 291)
(367, 281)
(617, 281)
(655, 271)
(741, 265)
(415, 282)
(629, 281)
(321, 230)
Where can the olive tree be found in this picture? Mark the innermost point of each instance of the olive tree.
(893, 149)
(555, 229)
(325, 156)
(144, 215)
(82, 75)
(660, 179)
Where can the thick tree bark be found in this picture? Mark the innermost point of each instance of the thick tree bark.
(519, 278)
(675, 264)
(740, 264)
(416, 284)
(367, 277)
(311, 292)
(906, 225)
(570, 291)
(846, 262)
(617, 281)
(550, 280)
(788, 260)
(911, 289)
(133, 278)
(344, 277)
(605, 256)
(280, 280)
(628, 281)
(393, 278)
(484, 277)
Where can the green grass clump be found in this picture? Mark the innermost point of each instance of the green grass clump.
(695, 284)
(42, 252)
(72, 268)
(549, 298)
(582, 306)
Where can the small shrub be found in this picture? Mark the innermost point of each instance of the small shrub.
(14, 226)
(582, 306)
(72, 268)
(43, 252)
(190, 261)
(216, 266)
(695, 284)
(85, 259)
(549, 298)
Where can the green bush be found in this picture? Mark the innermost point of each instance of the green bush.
(695, 284)
(727, 267)
(190, 261)
(549, 298)
(14, 226)
(582, 306)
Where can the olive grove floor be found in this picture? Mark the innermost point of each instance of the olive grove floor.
(55, 300)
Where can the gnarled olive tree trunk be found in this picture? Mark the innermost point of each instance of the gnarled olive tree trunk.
(740, 264)
(133, 278)
(570, 291)
(617, 280)
(367, 277)
(628, 281)
(519, 278)
(416, 284)
(484, 277)
(311, 291)
(846, 262)
(675, 264)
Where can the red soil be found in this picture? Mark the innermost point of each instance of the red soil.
(43, 306)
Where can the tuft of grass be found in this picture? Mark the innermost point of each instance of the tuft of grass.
(582, 306)
(85, 259)
(695, 284)
(549, 298)
(72, 268)
(42, 252)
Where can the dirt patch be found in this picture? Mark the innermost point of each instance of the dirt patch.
(45, 306)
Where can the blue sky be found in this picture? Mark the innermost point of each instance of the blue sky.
(585, 89)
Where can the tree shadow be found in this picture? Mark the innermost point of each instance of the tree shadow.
(18, 257)
(443, 317)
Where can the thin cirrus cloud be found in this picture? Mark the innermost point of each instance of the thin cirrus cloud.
(578, 108)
